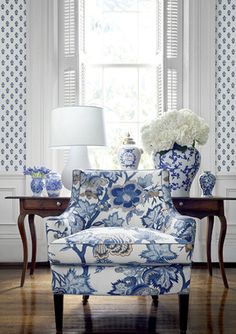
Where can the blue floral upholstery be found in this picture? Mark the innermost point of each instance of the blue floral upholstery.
(126, 280)
(120, 235)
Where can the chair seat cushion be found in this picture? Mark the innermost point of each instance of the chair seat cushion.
(114, 245)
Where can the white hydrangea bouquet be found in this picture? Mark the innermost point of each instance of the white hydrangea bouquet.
(178, 129)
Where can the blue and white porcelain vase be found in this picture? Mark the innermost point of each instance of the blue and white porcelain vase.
(53, 184)
(37, 185)
(129, 154)
(182, 166)
(207, 182)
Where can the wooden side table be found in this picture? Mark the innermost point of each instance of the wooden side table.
(209, 207)
(199, 207)
(31, 206)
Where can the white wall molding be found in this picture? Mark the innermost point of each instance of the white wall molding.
(42, 89)
(207, 80)
(226, 186)
(42, 79)
(10, 185)
(199, 73)
(229, 176)
(199, 69)
(10, 241)
(199, 93)
(15, 176)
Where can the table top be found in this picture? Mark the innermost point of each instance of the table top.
(36, 197)
(212, 198)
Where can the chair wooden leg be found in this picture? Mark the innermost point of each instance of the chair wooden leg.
(183, 311)
(58, 308)
(155, 300)
(85, 299)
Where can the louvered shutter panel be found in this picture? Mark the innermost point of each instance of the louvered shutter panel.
(68, 52)
(159, 52)
(69, 61)
(172, 62)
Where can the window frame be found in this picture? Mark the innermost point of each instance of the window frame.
(169, 63)
(71, 65)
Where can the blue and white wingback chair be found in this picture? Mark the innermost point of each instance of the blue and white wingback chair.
(120, 235)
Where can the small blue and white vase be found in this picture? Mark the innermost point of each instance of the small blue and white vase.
(207, 181)
(129, 154)
(53, 184)
(37, 185)
(182, 166)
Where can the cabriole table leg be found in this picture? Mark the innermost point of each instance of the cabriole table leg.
(223, 228)
(34, 242)
(209, 237)
(25, 248)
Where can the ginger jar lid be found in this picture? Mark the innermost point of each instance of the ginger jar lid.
(128, 140)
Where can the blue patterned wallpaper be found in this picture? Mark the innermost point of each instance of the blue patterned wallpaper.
(225, 61)
(13, 85)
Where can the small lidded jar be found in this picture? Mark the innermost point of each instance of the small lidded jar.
(129, 154)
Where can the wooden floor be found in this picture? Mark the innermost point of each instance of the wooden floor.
(30, 309)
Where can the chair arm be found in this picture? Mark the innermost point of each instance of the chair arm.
(63, 225)
(57, 227)
(183, 227)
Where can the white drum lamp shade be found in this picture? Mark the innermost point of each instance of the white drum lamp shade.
(77, 127)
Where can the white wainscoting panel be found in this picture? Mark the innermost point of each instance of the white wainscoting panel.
(226, 186)
(199, 254)
(10, 242)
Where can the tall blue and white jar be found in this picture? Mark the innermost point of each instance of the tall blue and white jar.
(182, 165)
(207, 181)
(53, 184)
(129, 154)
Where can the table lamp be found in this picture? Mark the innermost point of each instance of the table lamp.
(76, 127)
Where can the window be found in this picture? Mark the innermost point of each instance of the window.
(125, 56)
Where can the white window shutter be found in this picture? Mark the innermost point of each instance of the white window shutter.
(68, 11)
(160, 106)
(68, 60)
(159, 52)
(69, 96)
(172, 39)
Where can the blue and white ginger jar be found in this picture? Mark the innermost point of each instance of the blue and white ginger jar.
(207, 182)
(129, 154)
(37, 185)
(182, 166)
(53, 184)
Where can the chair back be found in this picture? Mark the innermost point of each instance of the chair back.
(120, 198)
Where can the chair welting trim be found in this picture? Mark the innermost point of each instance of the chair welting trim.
(120, 235)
